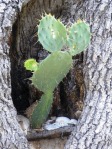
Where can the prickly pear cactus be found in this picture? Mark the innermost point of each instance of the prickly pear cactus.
(78, 37)
(53, 35)
(51, 71)
(49, 74)
(31, 64)
(42, 110)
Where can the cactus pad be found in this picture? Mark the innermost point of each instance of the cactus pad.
(52, 70)
(51, 33)
(79, 37)
(42, 110)
(31, 64)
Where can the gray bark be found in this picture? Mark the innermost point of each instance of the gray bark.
(11, 135)
(94, 129)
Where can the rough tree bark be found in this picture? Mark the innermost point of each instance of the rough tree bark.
(11, 135)
(94, 129)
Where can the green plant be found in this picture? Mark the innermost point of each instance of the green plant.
(53, 35)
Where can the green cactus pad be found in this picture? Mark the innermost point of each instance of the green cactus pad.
(52, 70)
(31, 64)
(79, 37)
(51, 33)
(42, 110)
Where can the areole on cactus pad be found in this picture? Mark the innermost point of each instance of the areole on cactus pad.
(53, 36)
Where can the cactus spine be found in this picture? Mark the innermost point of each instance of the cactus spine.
(53, 35)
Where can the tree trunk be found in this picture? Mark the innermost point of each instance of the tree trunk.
(11, 135)
(94, 129)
